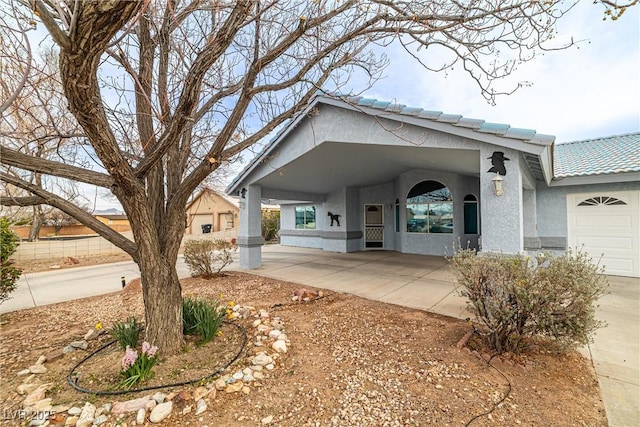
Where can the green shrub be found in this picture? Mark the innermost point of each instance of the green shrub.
(126, 333)
(200, 317)
(270, 225)
(9, 242)
(517, 298)
(207, 258)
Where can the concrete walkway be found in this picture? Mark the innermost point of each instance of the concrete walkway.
(422, 282)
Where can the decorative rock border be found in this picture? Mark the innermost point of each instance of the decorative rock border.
(269, 345)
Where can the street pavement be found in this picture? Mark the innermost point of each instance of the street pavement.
(416, 281)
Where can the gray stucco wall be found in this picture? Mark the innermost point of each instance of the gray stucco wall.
(551, 204)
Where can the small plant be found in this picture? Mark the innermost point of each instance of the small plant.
(200, 317)
(517, 298)
(207, 258)
(270, 225)
(137, 368)
(10, 274)
(126, 333)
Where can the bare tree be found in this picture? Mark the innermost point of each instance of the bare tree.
(38, 124)
(167, 91)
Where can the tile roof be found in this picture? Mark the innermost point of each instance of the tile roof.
(498, 129)
(613, 154)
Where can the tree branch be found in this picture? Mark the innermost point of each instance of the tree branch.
(69, 208)
(17, 159)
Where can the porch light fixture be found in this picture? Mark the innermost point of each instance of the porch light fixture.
(497, 185)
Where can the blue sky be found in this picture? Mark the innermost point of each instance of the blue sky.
(588, 91)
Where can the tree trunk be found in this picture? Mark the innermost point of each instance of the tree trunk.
(162, 302)
(36, 224)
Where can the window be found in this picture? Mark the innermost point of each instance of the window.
(429, 208)
(306, 217)
(470, 214)
(602, 200)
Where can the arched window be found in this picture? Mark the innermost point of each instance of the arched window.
(600, 201)
(429, 208)
(470, 214)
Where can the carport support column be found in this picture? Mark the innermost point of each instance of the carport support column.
(501, 217)
(250, 240)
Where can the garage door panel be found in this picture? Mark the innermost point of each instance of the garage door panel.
(603, 220)
(603, 243)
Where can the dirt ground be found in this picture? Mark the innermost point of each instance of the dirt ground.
(351, 362)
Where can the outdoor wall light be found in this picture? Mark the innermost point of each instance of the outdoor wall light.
(497, 185)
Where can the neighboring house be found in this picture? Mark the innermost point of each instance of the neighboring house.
(353, 174)
(118, 222)
(211, 211)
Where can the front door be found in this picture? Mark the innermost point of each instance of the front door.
(373, 227)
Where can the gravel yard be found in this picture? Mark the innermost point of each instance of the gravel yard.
(351, 362)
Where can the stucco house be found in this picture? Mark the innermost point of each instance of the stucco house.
(211, 211)
(353, 174)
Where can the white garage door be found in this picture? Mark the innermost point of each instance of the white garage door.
(607, 223)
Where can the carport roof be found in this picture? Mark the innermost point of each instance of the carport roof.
(496, 133)
(599, 156)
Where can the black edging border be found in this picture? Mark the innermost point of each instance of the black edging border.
(118, 392)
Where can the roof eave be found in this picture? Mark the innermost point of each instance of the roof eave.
(596, 179)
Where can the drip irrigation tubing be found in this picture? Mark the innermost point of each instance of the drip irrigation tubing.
(74, 384)
(496, 405)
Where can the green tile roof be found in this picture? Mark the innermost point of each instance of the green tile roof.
(608, 155)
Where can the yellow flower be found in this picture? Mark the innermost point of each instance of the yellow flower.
(231, 303)
(219, 333)
(98, 326)
(221, 296)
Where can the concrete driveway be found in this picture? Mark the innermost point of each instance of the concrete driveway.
(417, 281)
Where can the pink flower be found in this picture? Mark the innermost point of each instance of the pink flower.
(148, 349)
(130, 357)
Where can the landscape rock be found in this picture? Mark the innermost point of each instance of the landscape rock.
(274, 334)
(261, 359)
(199, 393)
(43, 405)
(129, 405)
(82, 345)
(71, 421)
(267, 420)
(280, 346)
(264, 313)
(37, 369)
(67, 349)
(86, 417)
(161, 411)
(100, 420)
(159, 397)
(141, 415)
(257, 323)
(41, 360)
(246, 390)
(55, 355)
(36, 395)
(201, 406)
(23, 388)
(74, 410)
(220, 384)
(23, 372)
(234, 388)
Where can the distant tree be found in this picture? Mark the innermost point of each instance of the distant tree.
(168, 91)
(9, 241)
